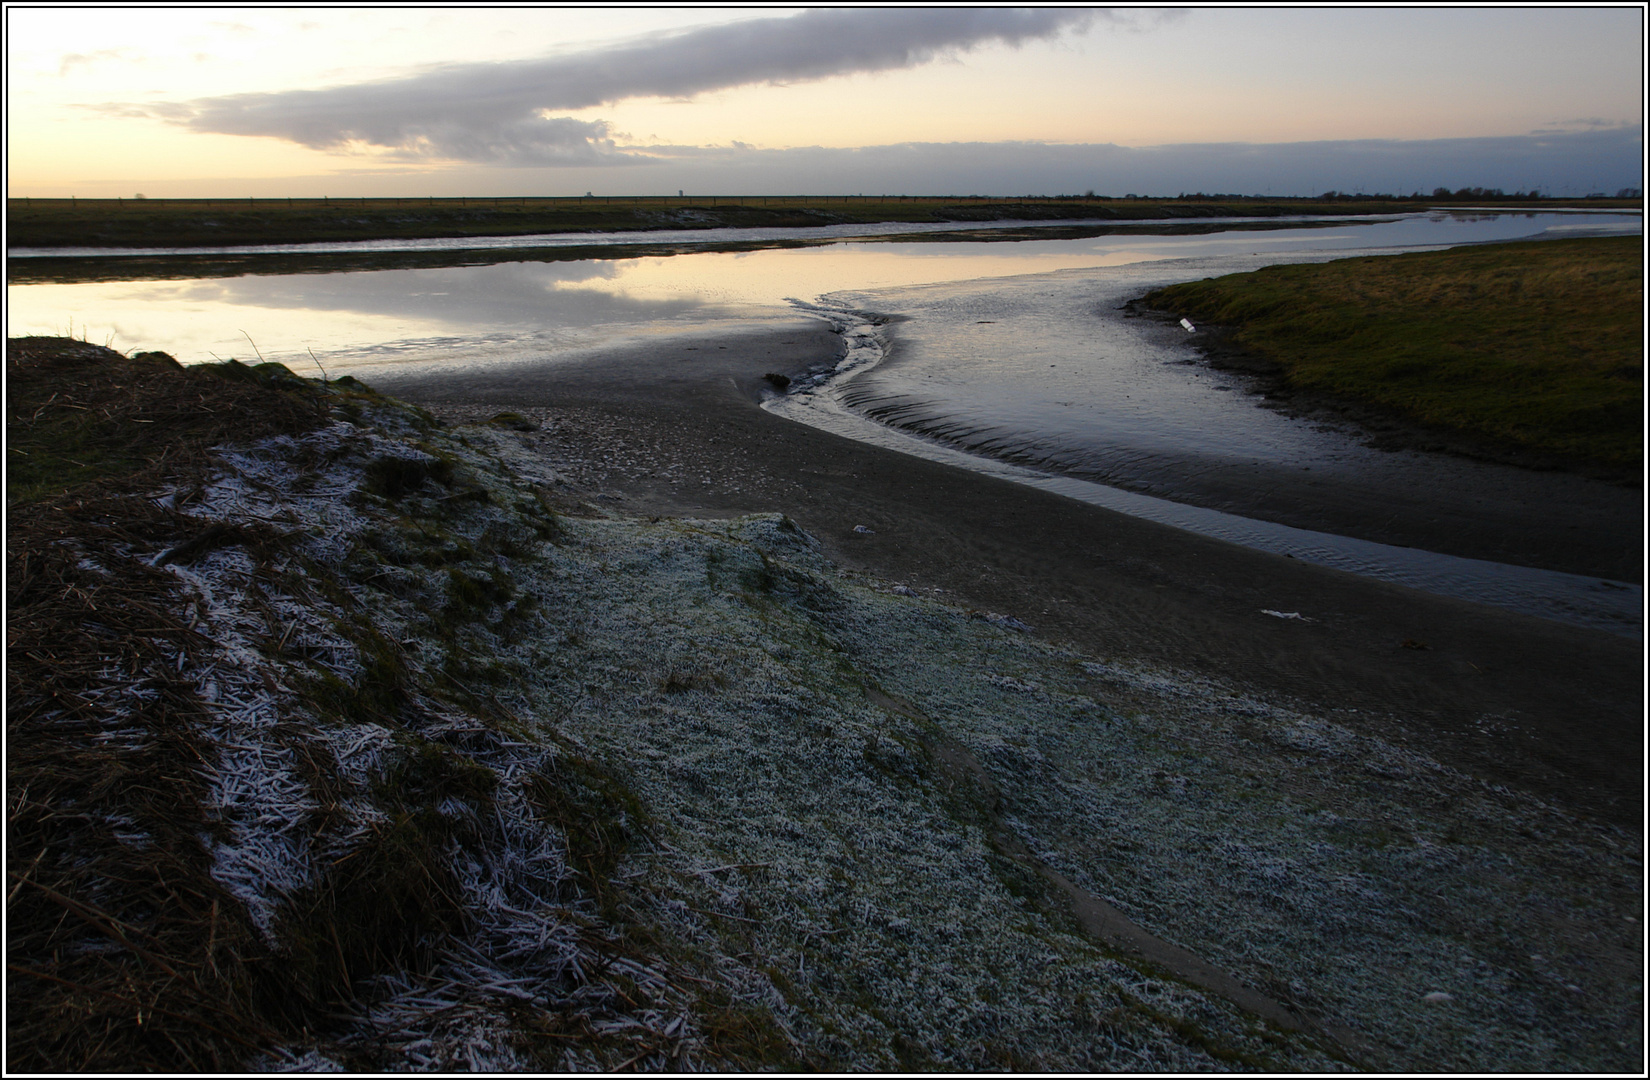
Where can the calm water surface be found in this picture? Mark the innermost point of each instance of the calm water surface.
(519, 309)
(1014, 350)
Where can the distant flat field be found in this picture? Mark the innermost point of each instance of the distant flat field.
(220, 222)
(1534, 346)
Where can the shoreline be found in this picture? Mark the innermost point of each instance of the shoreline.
(75, 265)
(679, 433)
(1527, 352)
(1387, 430)
(1448, 505)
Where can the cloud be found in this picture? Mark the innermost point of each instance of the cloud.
(501, 112)
(559, 141)
(1569, 163)
(1590, 123)
(70, 61)
(1145, 20)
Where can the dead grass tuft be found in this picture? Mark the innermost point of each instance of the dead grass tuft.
(77, 412)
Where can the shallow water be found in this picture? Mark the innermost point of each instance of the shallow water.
(1013, 349)
(515, 309)
(706, 237)
(1598, 604)
(1049, 372)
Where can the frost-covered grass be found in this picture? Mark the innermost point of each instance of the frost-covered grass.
(1332, 871)
(516, 790)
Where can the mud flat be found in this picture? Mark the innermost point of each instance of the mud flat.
(679, 431)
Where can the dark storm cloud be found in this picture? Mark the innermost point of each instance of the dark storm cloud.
(496, 112)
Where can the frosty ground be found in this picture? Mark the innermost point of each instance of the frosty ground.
(683, 794)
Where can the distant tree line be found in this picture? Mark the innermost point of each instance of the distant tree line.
(1481, 194)
(1476, 194)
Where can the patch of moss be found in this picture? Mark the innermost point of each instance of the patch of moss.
(513, 422)
(760, 578)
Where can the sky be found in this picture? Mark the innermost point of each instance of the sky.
(409, 101)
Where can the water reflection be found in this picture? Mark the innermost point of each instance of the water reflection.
(530, 295)
(474, 311)
(1011, 348)
(359, 317)
(708, 237)
(431, 313)
(1048, 372)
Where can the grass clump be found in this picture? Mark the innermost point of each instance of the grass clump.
(77, 413)
(512, 421)
(394, 478)
(598, 816)
(391, 902)
(1534, 346)
(124, 952)
(385, 907)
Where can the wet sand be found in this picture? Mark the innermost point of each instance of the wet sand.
(675, 428)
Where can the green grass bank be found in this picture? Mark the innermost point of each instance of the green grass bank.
(1532, 347)
(216, 222)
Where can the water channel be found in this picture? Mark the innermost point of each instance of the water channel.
(1007, 357)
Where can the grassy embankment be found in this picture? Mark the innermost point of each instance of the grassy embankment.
(212, 222)
(1528, 347)
(126, 947)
